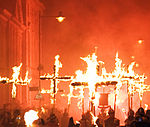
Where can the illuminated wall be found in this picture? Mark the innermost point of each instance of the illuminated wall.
(19, 43)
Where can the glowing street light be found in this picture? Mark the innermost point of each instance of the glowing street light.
(60, 18)
(140, 41)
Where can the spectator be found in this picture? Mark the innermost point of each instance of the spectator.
(130, 118)
(111, 121)
(52, 121)
(65, 119)
(71, 122)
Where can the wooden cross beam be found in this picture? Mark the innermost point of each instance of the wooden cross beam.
(15, 80)
(98, 84)
(55, 78)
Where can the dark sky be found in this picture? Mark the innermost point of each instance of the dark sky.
(111, 25)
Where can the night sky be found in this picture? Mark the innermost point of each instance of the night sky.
(111, 25)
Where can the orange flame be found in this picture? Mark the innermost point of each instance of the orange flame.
(94, 118)
(53, 77)
(146, 107)
(30, 117)
(120, 75)
(15, 79)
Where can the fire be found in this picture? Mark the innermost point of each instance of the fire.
(3, 79)
(89, 78)
(26, 80)
(57, 66)
(146, 107)
(121, 75)
(55, 78)
(30, 117)
(140, 41)
(43, 109)
(94, 118)
(15, 76)
(16, 79)
(94, 77)
(125, 113)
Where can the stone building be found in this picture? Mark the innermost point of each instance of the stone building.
(19, 43)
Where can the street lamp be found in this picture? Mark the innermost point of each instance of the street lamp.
(60, 18)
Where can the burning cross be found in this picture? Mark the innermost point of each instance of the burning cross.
(120, 76)
(55, 78)
(15, 79)
(91, 80)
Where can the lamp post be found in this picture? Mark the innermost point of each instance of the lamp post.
(60, 18)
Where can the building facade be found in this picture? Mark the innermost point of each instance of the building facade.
(19, 42)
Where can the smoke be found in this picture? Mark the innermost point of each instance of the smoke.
(110, 25)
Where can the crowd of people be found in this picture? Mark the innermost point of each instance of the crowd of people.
(16, 119)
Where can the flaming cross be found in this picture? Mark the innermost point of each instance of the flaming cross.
(91, 80)
(140, 87)
(135, 82)
(55, 78)
(15, 80)
(120, 76)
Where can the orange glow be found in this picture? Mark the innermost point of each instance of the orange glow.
(140, 41)
(125, 113)
(3, 79)
(53, 77)
(120, 76)
(57, 66)
(132, 57)
(60, 19)
(94, 118)
(43, 109)
(16, 79)
(30, 117)
(91, 79)
(146, 107)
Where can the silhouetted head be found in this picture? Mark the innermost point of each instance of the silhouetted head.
(71, 119)
(111, 113)
(71, 122)
(148, 113)
(52, 117)
(83, 116)
(141, 111)
(131, 113)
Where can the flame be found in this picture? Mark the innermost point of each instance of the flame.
(125, 113)
(57, 66)
(54, 79)
(146, 107)
(15, 79)
(30, 117)
(120, 76)
(140, 41)
(3, 79)
(16, 73)
(43, 109)
(77, 122)
(94, 118)
(15, 76)
(26, 80)
(91, 79)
